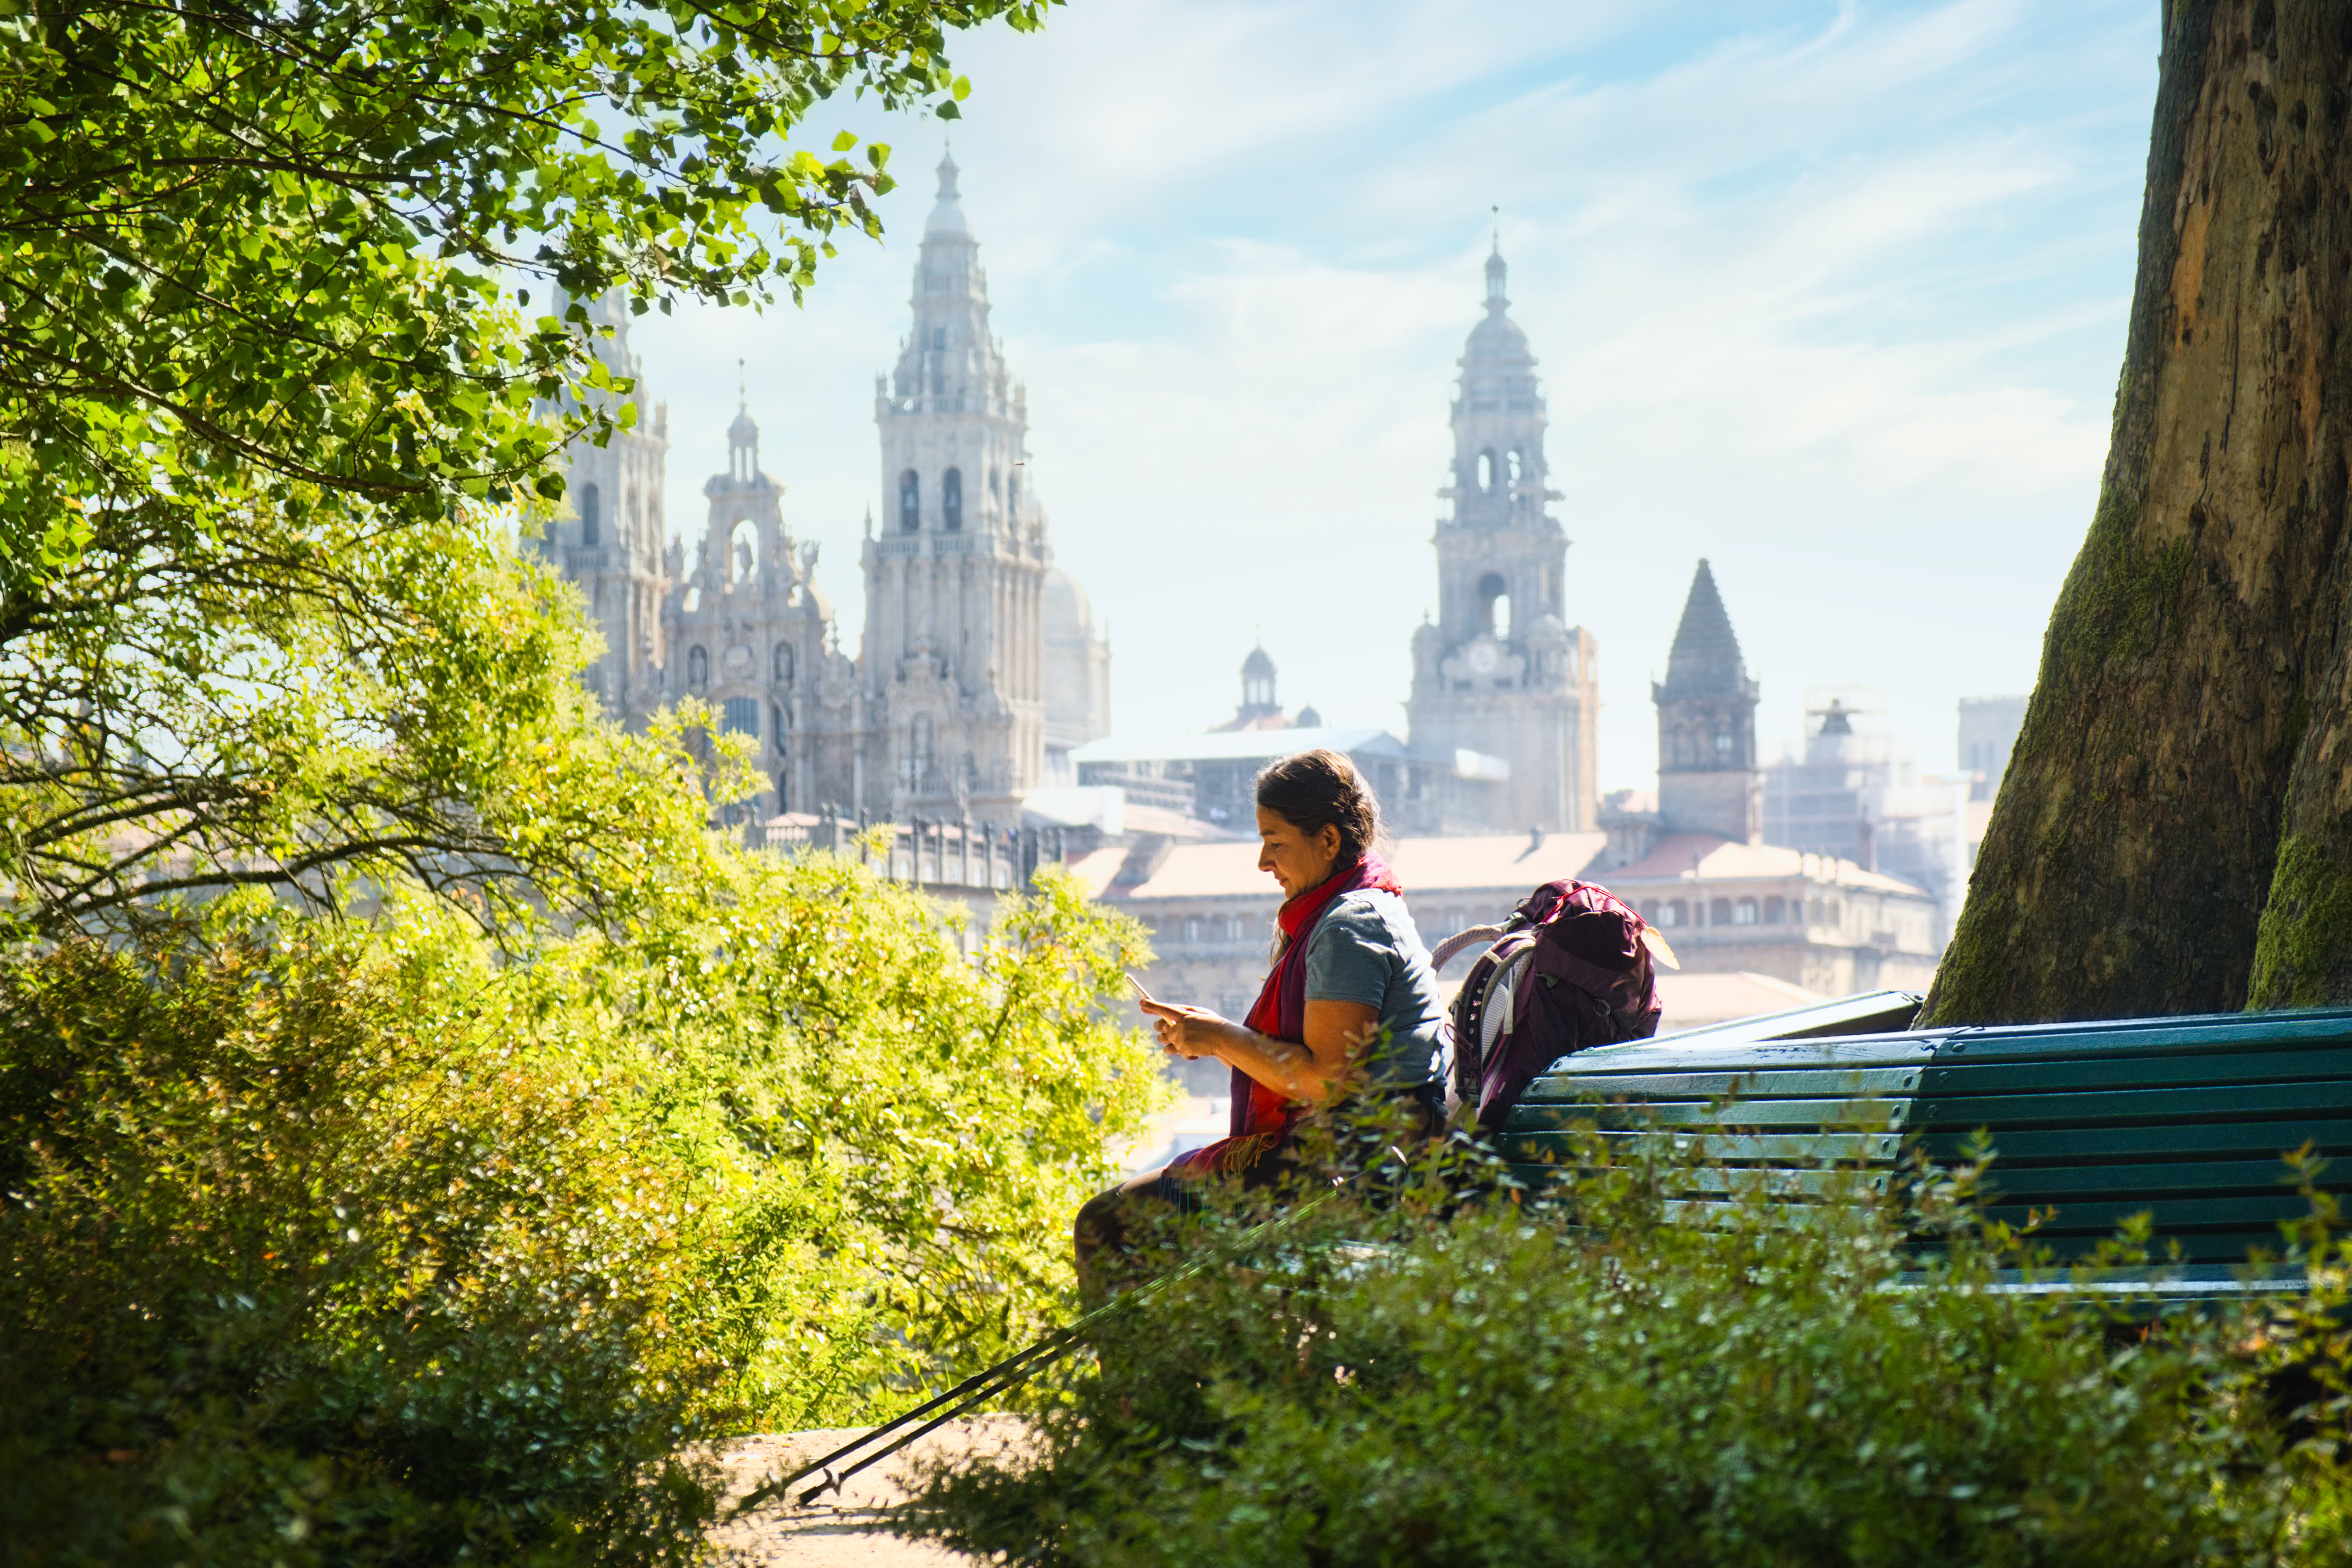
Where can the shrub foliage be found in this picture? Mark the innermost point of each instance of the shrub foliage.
(1465, 1378)
(341, 1244)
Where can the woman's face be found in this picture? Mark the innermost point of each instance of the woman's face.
(1298, 859)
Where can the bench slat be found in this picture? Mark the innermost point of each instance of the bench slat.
(2171, 1215)
(2090, 1110)
(1945, 1080)
(1769, 1083)
(1839, 1115)
(2081, 1145)
(2061, 1184)
(1826, 1148)
(2150, 1037)
(1670, 1056)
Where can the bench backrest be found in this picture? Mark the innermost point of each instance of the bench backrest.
(2185, 1119)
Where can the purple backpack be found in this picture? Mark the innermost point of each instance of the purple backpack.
(1570, 968)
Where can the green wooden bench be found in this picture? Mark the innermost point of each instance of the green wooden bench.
(2185, 1119)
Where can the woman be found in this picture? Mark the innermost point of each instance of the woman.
(1352, 1004)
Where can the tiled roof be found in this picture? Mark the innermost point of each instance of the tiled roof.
(1706, 857)
(1096, 868)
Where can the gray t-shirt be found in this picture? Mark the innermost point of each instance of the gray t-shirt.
(1366, 950)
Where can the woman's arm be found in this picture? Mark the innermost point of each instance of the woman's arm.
(1302, 1071)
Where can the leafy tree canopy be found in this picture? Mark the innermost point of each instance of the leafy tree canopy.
(279, 334)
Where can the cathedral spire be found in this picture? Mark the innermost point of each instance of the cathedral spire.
(1497, 272)
(1707, 781)
(1705, 656)
(947, 212)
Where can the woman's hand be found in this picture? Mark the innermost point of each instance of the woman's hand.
(1307, 1070)
(1189, 1032)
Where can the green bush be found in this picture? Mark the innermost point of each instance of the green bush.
(330, 1242)
(1600, 1380)
(297, 1272)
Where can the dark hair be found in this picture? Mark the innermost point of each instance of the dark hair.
(1320, 789)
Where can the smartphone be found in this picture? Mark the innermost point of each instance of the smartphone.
(1139, 990)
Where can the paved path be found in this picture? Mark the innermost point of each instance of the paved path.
(845, 1529)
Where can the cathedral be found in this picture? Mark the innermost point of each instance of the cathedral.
(1499, 672)
(1505, 706)
(981, 669)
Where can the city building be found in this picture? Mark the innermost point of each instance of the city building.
(751, 633)
(1499, 672)
(1503, 708)
(1988, 734)
(1214, 775)
(1852, 791)
(981, 668)
(615, 544)
(1699, 863)
(1707, 781)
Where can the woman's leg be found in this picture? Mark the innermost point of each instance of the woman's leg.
(1102, 1224)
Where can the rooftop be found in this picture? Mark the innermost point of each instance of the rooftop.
(1705, 858)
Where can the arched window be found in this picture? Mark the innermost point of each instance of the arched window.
(1486, 474)
(698, 668)
(1494, 605)
(1012, 496)
(1774, 910)
(951, 501)
(1718, 913)
(1519, 465)
(591, 513)
(1743, 913)
(1676, 913)
(740, 716)
(910, 503)
(1192, 928)
(784, 664)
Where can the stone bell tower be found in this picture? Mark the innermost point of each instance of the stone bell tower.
(954, 661)
(1707, 777)
(1500, 672)
(611, 543)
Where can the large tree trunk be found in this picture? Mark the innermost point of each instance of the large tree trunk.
(2175, 831)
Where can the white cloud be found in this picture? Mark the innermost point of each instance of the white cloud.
(1832, 295)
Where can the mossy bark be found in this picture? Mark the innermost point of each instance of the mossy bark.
(2184, 750)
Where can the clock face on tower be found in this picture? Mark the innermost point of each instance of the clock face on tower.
(1484, 656)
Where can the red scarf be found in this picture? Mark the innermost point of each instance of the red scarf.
(1281, 1008)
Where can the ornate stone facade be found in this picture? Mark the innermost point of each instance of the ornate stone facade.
(1500, 672)
(613, 544)
(981, 667)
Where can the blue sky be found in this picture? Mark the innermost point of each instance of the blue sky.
(1831, 295)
